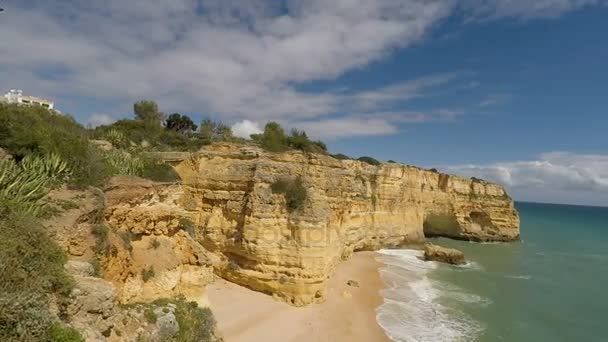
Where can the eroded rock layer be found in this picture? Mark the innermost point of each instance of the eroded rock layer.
(226, 194)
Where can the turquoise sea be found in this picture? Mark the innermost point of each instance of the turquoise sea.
(552, 286)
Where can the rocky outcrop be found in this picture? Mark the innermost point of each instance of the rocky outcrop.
(250, 237)
(154, 253)
(443, 254)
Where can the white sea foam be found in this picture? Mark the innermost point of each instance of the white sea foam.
(471, 265)
(412, 311)
(524, 277)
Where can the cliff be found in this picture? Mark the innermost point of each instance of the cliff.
(253, 240)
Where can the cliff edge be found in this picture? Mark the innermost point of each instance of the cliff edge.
(350, 205)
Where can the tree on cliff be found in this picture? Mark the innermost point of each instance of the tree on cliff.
(180, 123)
(148, 112)
(211, 130)
(274, 139)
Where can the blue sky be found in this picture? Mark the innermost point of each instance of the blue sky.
(513, 91)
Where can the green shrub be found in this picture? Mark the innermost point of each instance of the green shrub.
(196, 324)
(102, 239)
(155, 243)
(187, 225)
(89, 166)
(369, 160)
(341, 156)
(274, 138)
(158, 171)
(170, 140)
(215, 131)
(32, 130)
(31, 268)
(60, 333)
(293, 190)
(147, 273)
(126, 236)
(125, 133)
(150, 316)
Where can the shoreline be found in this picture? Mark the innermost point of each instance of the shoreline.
(348, 314)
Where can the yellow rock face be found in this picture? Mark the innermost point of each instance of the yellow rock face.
(350, 206)
(160, 243)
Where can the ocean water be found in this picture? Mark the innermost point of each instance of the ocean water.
(552, 286)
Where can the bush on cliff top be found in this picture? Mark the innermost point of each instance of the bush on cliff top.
(274, 139)
(369, 160)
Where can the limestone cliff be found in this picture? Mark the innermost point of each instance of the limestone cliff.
(226, 195)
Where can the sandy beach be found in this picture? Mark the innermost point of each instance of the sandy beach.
(348, 314)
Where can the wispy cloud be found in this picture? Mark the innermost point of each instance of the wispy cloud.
(494, 100)
(552, 177)
(523, 9)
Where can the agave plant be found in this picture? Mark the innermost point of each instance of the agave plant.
(124, 163)
(50, 165)
(116, 137)
(25, 184)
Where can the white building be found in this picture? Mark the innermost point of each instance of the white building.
(16, 96)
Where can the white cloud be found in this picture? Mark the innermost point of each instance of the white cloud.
(246, 128)
(554, 176)
(347, 127)
(233, 59)
(100, 119)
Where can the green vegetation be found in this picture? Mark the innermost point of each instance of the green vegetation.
(274, 139)
(31, 269)
(61, 333)
(187, 225)
(126, 236)
(155, 243)
(158, 171)
(150, 316)
(25, 184)
(148, 273)
(215, 131)
(180, 123)
(293, 190)
(341, 156)
(147, 111)
(31, 130)
(102, 239)
(196, 324)
(369, 160)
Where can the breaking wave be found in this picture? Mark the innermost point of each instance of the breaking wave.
(412, 309)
